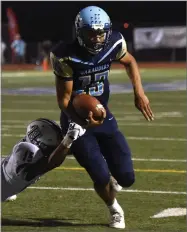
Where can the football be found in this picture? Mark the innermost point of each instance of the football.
(84, 103)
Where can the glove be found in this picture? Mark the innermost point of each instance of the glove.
(73, 133)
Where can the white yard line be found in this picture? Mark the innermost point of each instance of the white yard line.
(170, 212)
(120, 103)
(169, 113)
(128, 137)
(157, 139)
(70, 157)
(165, 104)
(19, 126)
(29, 111)
(15, 121)
(152, 125)
(126, 116)
(3, 126)
(123, 190)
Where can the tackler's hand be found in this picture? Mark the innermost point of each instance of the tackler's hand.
(75, 131)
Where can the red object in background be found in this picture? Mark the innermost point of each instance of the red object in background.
(13, 28)
(126, 25)
(12, 24)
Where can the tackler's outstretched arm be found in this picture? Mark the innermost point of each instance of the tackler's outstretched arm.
(57, 157)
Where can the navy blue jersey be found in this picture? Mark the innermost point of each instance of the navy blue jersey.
(89, 72)
(101, 150)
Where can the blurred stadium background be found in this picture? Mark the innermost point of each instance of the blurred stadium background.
(151, 34)
(63, 200)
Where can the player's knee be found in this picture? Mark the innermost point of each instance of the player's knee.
(126, 179)
(101, 180)
(101, 183)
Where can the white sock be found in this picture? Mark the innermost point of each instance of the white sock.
(115, 206)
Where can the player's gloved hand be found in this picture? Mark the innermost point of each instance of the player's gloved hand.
(73, 133)
(142, 104)
(92, 122)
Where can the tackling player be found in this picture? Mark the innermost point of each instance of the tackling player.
(41, 150)
(83, 67)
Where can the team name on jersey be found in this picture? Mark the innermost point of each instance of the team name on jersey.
(95, 69)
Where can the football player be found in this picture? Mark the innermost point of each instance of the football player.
(83, 67)
(42, 149)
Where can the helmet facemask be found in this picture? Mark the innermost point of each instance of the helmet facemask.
(93, 40)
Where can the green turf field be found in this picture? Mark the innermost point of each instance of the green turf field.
(63, 200)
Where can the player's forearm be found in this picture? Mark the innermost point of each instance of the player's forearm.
(134, 75)
(58, 155)
(64, 93)
(45, 164)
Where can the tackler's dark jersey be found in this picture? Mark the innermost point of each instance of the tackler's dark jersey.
(89, 72)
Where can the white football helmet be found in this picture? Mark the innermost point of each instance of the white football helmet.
(45, 134)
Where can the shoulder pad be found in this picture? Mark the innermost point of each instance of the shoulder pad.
(117, 38)
(60, 67)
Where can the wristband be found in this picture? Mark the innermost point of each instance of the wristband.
(67, 141)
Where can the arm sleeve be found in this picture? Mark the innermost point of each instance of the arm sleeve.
(60, 68)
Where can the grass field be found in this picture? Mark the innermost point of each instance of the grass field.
(64, 200)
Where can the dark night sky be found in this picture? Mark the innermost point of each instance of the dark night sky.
(50, 20)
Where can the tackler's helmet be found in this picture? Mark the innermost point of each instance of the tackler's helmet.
(89, 20)
(45, 134)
